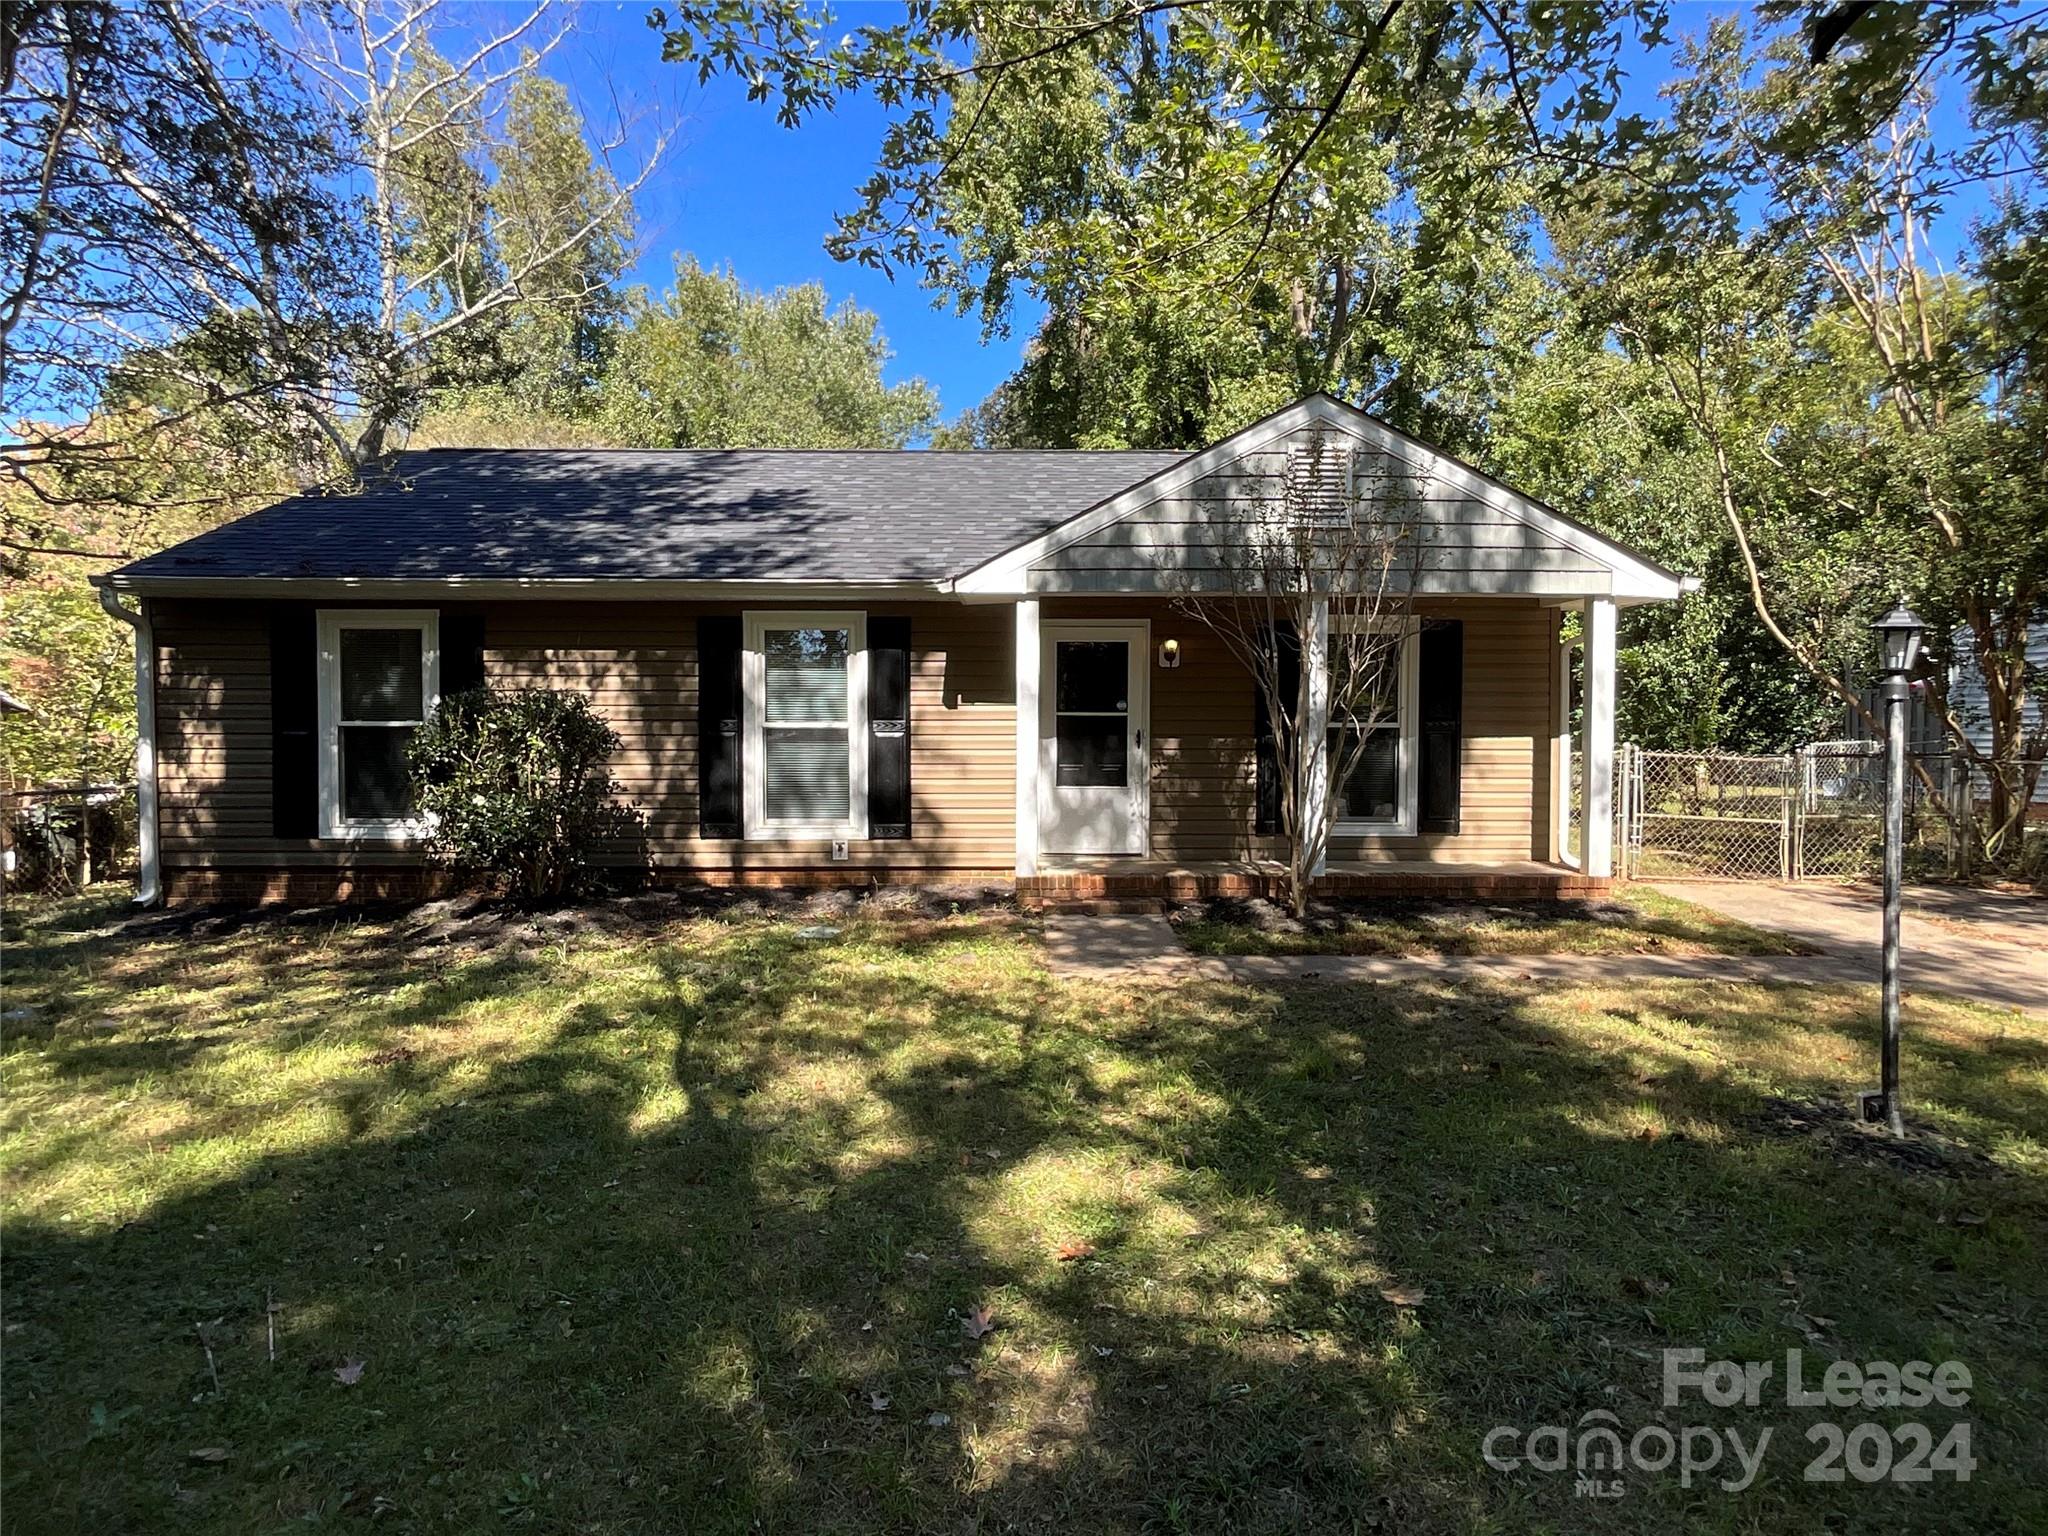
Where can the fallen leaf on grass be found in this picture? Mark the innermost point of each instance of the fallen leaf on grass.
(1645, 1285)
(979, 1323)
(878, 1402)
(1404, 1295)
(349, 1372)
(939, 1420)
(213, 1455)
(1074, 1248)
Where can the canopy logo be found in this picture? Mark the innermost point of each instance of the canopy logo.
(1601, 1452)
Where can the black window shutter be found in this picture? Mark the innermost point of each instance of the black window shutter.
(1266, 801)
(462, 652)
(719, 726)
(294, 721)
(1442, 727)
(888, 728)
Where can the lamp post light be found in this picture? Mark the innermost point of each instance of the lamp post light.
(1898, 634)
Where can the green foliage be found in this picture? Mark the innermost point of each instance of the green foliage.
(1867, 417)
(514, 782)
(715, 364)
(74, 667)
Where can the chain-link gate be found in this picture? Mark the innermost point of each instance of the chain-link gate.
(1813, 813)
(1707, 814)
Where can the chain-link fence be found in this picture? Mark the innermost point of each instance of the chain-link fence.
(42, 838)
(2008, 808)
(1838, 820)
(1814, 813)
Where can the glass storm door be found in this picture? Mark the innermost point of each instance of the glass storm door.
(1092, 722)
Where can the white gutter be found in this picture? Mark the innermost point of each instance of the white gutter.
(149, 889)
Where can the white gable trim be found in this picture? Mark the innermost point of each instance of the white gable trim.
(1634, 578)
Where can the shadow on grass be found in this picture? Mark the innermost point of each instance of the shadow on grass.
(697, 1255)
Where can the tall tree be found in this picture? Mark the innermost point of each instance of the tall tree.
(459, 254)
(170, 200)
(1222, 206)
(304, 218)
(714, 364)
(1869, 413)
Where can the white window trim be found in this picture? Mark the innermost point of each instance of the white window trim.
(331, 622)
(754, 683)
(1408, 761)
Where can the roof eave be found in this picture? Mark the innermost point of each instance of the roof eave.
(480, 588)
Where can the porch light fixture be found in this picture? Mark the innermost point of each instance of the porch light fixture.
(1898, 634)
(1169, 654)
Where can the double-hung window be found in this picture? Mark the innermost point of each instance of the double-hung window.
(1377, 795)
(379, 678)
(806, 676)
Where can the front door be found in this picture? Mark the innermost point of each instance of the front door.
(1092, 721)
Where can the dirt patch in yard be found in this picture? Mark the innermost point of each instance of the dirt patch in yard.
(483, 922)
(1837, 1127)
(1640, 922)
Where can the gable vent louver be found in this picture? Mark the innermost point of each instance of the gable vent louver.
(1319, 485)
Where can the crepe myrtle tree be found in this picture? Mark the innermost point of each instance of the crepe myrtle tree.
(1308, 581)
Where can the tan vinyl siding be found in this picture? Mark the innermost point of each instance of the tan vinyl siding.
(1203, 766)
(637, 661)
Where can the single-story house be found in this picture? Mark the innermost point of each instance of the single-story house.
(851, 666)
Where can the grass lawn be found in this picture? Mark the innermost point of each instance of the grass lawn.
(1639, 921)
(637, 1221)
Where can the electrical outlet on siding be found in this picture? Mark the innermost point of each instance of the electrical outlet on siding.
(839, 848)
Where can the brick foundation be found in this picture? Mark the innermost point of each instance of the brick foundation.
(1200, 885)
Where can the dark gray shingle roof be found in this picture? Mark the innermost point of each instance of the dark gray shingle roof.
(692, 515)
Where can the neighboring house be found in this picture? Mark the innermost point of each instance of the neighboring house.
(1972, 707)
(1967, 700)
(873, 666)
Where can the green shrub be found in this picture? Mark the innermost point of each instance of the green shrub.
(515, 782)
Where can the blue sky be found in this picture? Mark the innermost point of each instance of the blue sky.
(737, 188)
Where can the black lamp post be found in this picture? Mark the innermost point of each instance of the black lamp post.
(1898, 633)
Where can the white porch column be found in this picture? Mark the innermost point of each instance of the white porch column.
(1598, 798)
(1315, 729)
(1027, 736)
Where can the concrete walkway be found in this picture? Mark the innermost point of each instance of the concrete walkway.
(1988, 946)
(1145, 948)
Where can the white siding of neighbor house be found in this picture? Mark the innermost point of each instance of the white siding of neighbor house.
(1967, 697)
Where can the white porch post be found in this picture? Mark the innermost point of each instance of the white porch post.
(1315, 730)
(1027, 736)
(1598, 798)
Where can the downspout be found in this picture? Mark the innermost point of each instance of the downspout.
(149, 888)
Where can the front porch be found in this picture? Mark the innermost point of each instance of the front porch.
(1410, 879)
